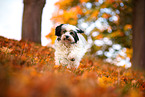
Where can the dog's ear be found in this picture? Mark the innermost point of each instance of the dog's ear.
(80, 31)
(76, 37)
(58, 30)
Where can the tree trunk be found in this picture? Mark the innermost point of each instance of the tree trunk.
(139, 34)
(31, 24)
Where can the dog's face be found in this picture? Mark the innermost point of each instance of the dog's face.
(67, 33)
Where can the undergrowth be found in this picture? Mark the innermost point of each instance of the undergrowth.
(27, 70)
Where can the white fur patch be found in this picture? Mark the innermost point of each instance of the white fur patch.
(69, 27)
(70, 54)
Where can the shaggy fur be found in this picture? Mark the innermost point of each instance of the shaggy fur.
(70, 46)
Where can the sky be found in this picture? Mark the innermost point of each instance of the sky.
(11, 12)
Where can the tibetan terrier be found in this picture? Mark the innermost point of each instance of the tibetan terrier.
(70, 46)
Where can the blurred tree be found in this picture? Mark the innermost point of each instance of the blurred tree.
(31, 25)
(139, 34)
(106, 23)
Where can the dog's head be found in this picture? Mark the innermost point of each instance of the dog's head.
(67, 33)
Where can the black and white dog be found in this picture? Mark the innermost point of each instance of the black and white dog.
(70, 46)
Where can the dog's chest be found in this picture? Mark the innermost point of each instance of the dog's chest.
(64, 50)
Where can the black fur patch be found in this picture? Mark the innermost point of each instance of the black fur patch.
(73, 59)
(58, 30)
(80, 31)
(76, 37)
(58, 39)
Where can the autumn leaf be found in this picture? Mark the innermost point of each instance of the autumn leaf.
(129, 52)
(6, 50)
(106, 15)
(127, 27)
(51, 36)
(110, 1)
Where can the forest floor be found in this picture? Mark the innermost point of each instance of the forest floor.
(27, 70)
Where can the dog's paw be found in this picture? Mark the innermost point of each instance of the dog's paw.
(72, 59)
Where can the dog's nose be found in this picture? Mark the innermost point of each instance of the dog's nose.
(67, 36)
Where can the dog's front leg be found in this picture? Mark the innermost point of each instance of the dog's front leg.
(72, 57)
(74, 60)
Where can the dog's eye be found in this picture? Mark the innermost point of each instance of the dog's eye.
(64, 31)
(71, 33)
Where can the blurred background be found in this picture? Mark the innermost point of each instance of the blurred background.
(11, 12)
(107, 24)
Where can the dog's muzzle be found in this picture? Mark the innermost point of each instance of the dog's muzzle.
(66, 38)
